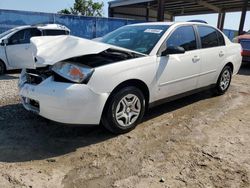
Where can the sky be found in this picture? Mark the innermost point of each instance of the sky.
(52, 6)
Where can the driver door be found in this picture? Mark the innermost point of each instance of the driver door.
(178, 73)
(18, 49)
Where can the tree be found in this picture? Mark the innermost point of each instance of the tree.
(84, 8)
(64, 11)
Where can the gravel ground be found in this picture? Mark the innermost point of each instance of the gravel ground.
(197, 141)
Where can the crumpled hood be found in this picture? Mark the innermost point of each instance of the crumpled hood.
(52, 49)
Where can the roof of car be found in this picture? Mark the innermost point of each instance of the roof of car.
(44, 26)
(170, 23)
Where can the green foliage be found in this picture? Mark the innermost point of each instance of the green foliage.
(64, 11)
(84, 8)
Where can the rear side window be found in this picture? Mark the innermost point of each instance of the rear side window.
(53, 32)
(220, 39)
(183, 36)
(208, 36)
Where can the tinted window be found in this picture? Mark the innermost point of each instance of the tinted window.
(220, 39)
(208, 37)
(183, 36)
(140, 38)
(50, 32)
(23, 36)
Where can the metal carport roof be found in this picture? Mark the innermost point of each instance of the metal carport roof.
(160, 10)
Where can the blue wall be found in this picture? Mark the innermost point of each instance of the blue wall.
(86, 27)
(230, 33)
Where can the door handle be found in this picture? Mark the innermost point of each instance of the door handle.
(221, 54)
(195, 59)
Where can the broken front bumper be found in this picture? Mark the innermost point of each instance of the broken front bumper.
(62, 102)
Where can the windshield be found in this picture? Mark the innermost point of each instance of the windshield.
(6, 33)
(140, 38)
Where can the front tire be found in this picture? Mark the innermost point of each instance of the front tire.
(224, 81)
(2, 68)
(124, 110)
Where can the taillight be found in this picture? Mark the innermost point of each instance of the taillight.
(241, 52)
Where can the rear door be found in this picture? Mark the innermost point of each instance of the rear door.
(212, 53)
(18, 49)
(178, 73)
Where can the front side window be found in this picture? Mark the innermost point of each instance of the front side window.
(54, 32)
(183, 36)
(23, 36)
(208, 37)
(140, 38)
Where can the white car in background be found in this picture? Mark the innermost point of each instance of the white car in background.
(15, 51)
(135, 67)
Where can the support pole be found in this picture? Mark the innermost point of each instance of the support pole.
(243, 17)
(221, 20)
(147, 12)
(110, 12)
(160, 13)
(171, 18)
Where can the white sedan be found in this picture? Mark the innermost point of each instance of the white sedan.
(15, 51)
(114, 81)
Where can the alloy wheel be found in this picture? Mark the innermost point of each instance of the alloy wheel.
(225, 80)
(128, 110)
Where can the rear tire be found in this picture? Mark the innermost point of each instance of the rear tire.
(124, 110)
(2, 68)
(224, 81)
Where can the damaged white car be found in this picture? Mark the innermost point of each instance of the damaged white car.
(79, 81)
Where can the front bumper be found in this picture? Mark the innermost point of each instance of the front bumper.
(62, 102)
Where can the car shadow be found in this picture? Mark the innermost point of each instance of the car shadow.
(177, 104)
(25, 136)
(245, 69)
(10, 75)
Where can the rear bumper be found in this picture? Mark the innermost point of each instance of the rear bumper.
(245, 55)
(63, 102)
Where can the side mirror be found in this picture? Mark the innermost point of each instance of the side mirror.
(4, 42)
(173, 50)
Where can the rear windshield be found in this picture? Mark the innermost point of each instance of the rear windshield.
(54, 32)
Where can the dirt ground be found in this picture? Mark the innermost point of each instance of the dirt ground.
(197, 141)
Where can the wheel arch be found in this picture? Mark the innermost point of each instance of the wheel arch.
(5, 66)
(230, 64)
(132, 82)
